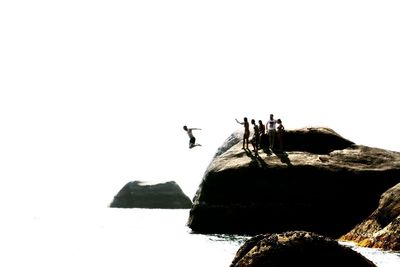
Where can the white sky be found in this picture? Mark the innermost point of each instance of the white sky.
(94, 94)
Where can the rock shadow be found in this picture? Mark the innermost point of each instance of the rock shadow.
(283, 156)
(256, 160)
(267, 151)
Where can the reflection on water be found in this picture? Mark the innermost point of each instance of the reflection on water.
(234, 239)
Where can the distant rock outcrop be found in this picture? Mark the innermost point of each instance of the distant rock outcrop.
(322, 183)
(157, 196)
(382, 228)
(296, 249)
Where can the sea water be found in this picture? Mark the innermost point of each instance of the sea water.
(123, 237)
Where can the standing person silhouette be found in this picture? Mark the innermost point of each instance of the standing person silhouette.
(256, 137)
(261, 127)
(246, 133)
(192, 140)
(271, 126)
(279, 133)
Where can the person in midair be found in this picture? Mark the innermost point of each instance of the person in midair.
(192, 139)
(256, 137)
(271, 126)
(246, 133)
(279, 133)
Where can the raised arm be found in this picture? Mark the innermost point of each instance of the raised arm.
(239, 122)
(195, 128)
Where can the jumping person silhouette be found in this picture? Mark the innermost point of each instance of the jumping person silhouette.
(192, 140)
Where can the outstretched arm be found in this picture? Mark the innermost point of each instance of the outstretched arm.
(239, 122)
(195, 128)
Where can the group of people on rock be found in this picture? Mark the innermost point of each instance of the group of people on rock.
(263, 135)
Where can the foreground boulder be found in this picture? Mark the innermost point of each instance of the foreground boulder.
(382, 228)
(296, 249)
(157, 196)
(323, 183)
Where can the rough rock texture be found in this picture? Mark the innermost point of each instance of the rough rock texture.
(314, 140)
(296, 249)
(382, 228)
(323, 183)
(157, 196)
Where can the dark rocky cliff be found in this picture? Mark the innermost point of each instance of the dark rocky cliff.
(382, 228)
(322, 183)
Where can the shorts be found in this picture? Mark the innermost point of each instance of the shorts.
(192, 141)
(255, 140)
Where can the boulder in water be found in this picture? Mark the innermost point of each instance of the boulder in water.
(296, 248)
(321, 183)
(137, 194)
(382, 228)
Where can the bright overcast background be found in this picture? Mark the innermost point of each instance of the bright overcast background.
(94, 94)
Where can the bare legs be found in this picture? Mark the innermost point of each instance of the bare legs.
(246, 141)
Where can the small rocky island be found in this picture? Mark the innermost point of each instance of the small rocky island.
(320, 183)
(137, 194)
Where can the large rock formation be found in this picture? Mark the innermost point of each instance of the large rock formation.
(382, 228)
(296, 249)
(323, 183)
(157, 196)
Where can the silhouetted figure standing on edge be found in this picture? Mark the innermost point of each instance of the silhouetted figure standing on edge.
(261, 127)
(271, 126)
(192, 141)
(279, 133)
(246, 133)
(256, 137)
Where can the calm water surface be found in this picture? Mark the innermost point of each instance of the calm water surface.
(122, 237)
